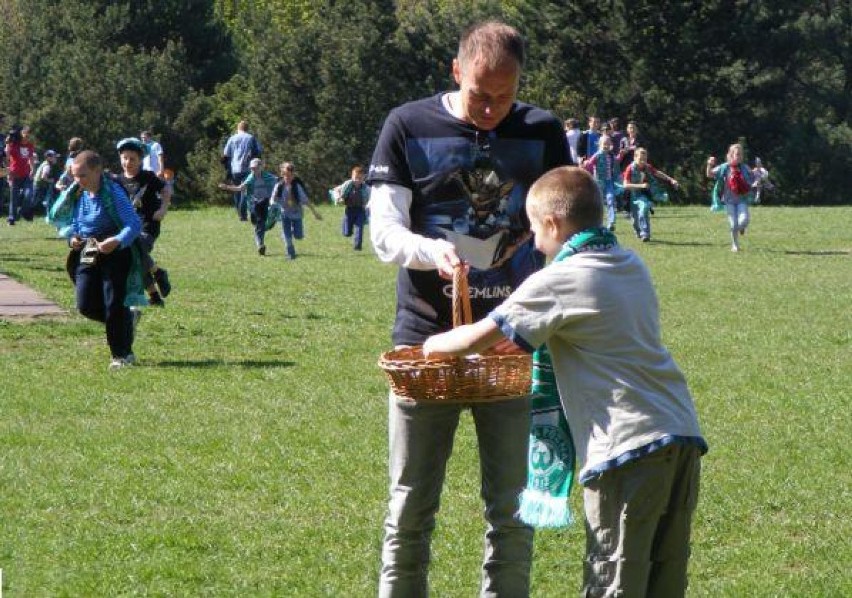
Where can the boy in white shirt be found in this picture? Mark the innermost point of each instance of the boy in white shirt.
(630, 412)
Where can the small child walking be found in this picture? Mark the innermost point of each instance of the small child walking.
(733, 189)
(640, 181)
(631, 416)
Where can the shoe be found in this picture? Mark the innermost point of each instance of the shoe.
(261, 250)
(645, 239)
(735, 248)
(11, 221)
(612, 228)
(162, 278)
(156, 300)
(118, 363)
(130, 359)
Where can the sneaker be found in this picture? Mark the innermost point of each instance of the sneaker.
(118, 363)
(261, 250)
(646, 239)
(130, 359)
(162, 278)
(11, 221)
(735, 248)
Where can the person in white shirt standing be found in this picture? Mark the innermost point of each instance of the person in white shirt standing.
(154, 159)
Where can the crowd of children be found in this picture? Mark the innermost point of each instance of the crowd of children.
(627, 181)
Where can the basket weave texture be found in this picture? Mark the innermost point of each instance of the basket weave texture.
(472, 379)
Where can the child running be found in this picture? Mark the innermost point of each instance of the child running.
(631, 416)
(733, 189)
(151, 199)
(289, 193)
(604, 168)
(640, 181)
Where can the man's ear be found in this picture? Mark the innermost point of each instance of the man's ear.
(456, 71)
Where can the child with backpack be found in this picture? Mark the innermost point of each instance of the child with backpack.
(354, 194)
(641, 183)
(603, 165)
(733, 189)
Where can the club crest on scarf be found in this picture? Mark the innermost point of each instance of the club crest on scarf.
(550, 458)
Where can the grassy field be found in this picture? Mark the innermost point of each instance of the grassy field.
(246, 455)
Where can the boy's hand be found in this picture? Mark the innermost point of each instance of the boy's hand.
(430, 348)
(108, 245)
(505, 347)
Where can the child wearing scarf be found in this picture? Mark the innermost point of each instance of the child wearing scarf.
(633, 423)
(733, 190)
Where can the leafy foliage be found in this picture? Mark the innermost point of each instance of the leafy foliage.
(315, 79)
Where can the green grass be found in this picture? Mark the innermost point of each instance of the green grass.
(247, 454)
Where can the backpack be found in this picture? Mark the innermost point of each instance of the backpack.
(737, 182)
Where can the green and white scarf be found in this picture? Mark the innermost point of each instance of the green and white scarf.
(551, 456)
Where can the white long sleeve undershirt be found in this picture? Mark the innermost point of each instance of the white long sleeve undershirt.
(390, 230)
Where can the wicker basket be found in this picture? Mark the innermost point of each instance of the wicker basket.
(473, 379)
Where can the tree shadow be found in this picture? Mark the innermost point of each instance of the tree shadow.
(215, 363)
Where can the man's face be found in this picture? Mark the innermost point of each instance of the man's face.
(594, 123)
(130, 162)
(145, 138)
(486, 94)
(88, 178)
(287, 173)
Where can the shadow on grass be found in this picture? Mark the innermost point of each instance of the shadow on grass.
(216, 363)
(817, 253)
(681, 243)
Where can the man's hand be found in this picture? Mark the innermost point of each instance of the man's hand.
(447, 261)
(76, 243)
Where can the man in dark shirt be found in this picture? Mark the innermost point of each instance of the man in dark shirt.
(448, 179)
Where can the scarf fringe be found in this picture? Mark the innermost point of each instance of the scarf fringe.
(543, 510)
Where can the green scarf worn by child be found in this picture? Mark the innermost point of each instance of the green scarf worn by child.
(550, 471)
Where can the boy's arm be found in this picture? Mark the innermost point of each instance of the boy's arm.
(464, 340)
(665, 177)
(165, 202)
(307, 201)
(233, 188)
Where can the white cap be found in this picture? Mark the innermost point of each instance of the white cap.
(254, 162)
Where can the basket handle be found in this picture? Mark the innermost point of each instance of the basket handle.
(461, 298)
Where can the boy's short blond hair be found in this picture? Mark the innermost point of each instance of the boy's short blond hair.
(567, 192)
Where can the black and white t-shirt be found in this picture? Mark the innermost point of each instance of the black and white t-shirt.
(143, 190)
(468, 187)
